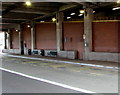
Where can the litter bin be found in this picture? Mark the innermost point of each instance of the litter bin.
(42, 52)
(29, 51)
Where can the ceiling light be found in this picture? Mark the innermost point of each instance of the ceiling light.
(53, 19)
(28, 3)
(72, 14)
(0, 16)
(28, 26)
(116, 8)
(82, 11)
(93, 11)
(16, 30)
(118, 1)
(42, 21)
(68, 17)
(80, 14)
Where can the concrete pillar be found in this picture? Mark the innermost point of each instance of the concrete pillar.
(88, 18)
(59, 30)
(9, 39)
(20, 44)
(5, 43)
(33, 36)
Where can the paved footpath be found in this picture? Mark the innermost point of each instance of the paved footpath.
(98, 64)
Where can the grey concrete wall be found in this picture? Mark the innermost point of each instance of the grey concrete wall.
(11, 51)
(68, 54)
(102, 56)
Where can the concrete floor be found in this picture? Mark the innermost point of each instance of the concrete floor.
(88, 78)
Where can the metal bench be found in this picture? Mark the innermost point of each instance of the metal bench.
(35, 52)
(52, 53)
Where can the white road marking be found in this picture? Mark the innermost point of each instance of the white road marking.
(48, 81)
(58, 61)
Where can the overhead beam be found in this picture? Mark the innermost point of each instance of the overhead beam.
(14, 19)
(10, 3)
(47, 15)
(12, 25)
(45, 8)
(65, 7)
(31, 11)
(60, 0)
(11, 7)
(5, 23)
(11, 21)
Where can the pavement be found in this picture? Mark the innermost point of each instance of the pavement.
(93, 63)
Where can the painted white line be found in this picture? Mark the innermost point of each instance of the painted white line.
(58, 61)
(48, 81)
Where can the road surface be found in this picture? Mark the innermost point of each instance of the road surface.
(13, 83)
(61, 78)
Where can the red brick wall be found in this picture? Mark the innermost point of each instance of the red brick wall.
(15, 39)
(73, 37)
(46, 36)
(26, 35)
(105, 36)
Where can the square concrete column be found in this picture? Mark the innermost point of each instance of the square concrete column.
(20, 44)
(88, 18)
(5, 43)
(33, 36)
(9, 39)
(59, 31)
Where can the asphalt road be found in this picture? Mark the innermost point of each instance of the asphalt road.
(13, 83)
(82, 77)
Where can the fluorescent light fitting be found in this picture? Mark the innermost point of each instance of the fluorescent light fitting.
(28, 25)
(82, 11)
(28, 3)
(72, 14)
(116, 8)
(80, 14)
(68, 17)
(93, 11)
(42, 21)
(53, 19)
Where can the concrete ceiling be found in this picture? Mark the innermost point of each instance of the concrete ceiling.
(60, 0)
(17, 12)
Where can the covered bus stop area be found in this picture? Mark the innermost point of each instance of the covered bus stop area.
(73, 45)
